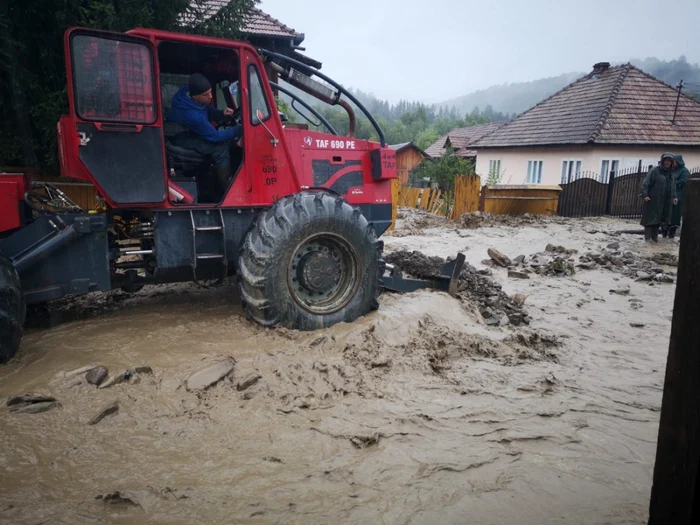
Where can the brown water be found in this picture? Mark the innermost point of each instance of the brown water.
(417, 414)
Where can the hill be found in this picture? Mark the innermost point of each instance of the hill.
(518, 97)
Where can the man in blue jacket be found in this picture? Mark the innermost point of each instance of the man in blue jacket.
(191, 107)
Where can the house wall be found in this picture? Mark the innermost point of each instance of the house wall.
(406, 160)
(514, 161)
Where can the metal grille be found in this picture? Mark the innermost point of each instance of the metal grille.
(113, 80)
(619, 196)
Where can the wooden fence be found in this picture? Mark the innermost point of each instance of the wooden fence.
(464, 199)
(521, 199)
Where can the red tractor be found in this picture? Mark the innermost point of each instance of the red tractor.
(297, 221)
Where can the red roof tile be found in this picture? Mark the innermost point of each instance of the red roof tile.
(621, 105)
(258, 23)
(461, 138)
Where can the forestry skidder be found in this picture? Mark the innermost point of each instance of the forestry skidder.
(297, 220)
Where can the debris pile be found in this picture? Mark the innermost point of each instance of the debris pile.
(481, 219)
(495, 306)
(414, 222)
(630, 264)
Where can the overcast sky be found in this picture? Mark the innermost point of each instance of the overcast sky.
(432, 50)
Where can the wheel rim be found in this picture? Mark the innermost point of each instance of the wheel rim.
(323, 273)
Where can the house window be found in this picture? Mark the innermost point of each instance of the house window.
(570, 170)
(534, 171)
(494, 171)
(606, 166)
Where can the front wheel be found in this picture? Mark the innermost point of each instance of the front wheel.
(12, 310)
(310, 260)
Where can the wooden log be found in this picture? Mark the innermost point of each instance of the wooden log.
(499, 258)
(675, 494)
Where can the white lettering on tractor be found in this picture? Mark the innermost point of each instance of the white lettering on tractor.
(335, 144)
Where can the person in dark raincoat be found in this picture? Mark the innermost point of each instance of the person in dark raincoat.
(659, 194)
(682, 175)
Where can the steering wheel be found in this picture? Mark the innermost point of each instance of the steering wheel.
(233, 120)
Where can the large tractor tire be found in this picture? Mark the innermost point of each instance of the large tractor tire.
(310, 261)
(12, 310)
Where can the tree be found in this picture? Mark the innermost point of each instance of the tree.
(426, 138)
(33, 91)
(444, 170)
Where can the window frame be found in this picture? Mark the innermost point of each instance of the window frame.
(604, 176)
(254, 68)
(496, 162)
(571, 161)
(534, 163)
(116, 38)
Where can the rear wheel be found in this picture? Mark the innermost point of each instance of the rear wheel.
(310, 260)
(12, 310)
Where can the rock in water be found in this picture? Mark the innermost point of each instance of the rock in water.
(97, 375)
(499, 258)
(79, 371)
(114, 380)
(663, 278)
(108, 410)
(28, 398)
(33, 408)
(209, 376)
(144, 369)
(249, 381)
(613, 246)
(518, 275)
(623, 290)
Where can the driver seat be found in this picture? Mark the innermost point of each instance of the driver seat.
(185, 162)
(185, 166)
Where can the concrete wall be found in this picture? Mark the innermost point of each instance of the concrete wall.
(514, 162)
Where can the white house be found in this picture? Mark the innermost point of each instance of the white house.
(614, 118)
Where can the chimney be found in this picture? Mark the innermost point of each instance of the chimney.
(600, 67)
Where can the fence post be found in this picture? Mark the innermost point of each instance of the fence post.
(675, 493)
(609, 198)
(482, 198)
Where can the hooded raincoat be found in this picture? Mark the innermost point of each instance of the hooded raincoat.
(682, 175)
(660, 186)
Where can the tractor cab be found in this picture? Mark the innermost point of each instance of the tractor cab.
(118, 134)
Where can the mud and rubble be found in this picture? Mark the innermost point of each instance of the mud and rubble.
(481, 219)
(425, 411)
(495, 306)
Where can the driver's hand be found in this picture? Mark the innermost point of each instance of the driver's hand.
(228, 112)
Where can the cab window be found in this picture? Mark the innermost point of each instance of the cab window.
(258, 102)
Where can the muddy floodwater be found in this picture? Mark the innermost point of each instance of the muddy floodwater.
(419, 413)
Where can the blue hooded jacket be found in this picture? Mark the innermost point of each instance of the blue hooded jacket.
(197, 118)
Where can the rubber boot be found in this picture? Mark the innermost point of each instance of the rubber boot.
(647, 233)
(655, 234)
(664, 231)
(672, 232)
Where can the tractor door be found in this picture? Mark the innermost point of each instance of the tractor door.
(114, 107)
(270, 175)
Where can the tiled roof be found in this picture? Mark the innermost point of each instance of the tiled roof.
(404, 145)
(620, 105)
(461, 139)
(258, 23)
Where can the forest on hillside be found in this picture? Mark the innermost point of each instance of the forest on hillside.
(423, 124)
(402, 122)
